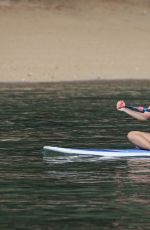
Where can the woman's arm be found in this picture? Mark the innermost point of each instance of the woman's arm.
(137, 115)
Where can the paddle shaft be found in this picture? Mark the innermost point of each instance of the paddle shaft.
(138, 108)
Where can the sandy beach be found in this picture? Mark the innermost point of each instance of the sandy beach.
(67, 41)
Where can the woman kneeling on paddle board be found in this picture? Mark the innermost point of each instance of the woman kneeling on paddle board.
(138, 138)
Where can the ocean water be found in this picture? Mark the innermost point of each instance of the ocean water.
(43, 190)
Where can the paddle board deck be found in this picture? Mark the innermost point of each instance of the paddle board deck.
(102, 152)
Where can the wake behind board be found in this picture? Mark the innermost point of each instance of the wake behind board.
(102, 152)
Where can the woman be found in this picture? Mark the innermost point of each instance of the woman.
(139, 139)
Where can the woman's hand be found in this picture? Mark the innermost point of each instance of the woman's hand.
(120, 105)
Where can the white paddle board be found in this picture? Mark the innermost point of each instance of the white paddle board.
(102, 152)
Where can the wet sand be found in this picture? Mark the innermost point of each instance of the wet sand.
(68, 41)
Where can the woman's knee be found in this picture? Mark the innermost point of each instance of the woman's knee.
(133, 134)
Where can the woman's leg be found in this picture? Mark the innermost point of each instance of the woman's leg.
(140, 139)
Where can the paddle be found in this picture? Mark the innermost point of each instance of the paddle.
(138, 108)
(141, 109)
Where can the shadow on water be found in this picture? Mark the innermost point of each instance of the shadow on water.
(45, 191)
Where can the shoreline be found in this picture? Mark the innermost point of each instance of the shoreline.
(120, 80)
(74, 43)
